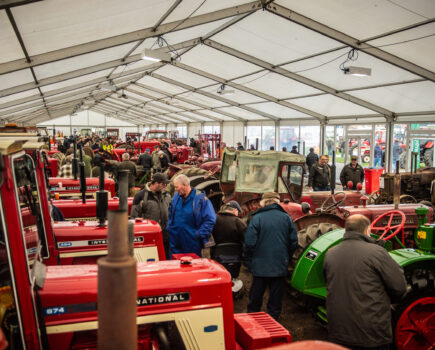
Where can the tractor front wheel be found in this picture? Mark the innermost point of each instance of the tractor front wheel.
(415, 322)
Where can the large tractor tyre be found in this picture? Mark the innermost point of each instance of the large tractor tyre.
(414, 317)
(428, 157)
(212, 190)
(198, 175)
(308, 235)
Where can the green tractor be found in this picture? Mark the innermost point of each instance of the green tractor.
(414, 317)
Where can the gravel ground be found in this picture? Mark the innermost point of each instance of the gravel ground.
(298, 320)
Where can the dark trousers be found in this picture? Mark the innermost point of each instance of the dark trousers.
(274, 304)
(380, 347)
(326, 188)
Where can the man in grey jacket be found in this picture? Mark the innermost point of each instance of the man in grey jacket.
(362, 281)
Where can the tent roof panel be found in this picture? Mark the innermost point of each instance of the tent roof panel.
(186, 8)
(420, 52)
(242, 113)
(82, 21)
(218, 63)
(280, 111)
(329, 73)
(18, 96)
(276, 85)
(160, 85)
(402, 98)
(363, 19)
(184, 76)
(82, 61)
(205, 100)
(74, 81)
(15, 78)
(273, 39)
(330, 105)
(11, 49)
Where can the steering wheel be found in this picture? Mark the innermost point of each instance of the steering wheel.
(333, 199)
(388, 228)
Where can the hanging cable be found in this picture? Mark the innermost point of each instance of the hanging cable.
(352, 55)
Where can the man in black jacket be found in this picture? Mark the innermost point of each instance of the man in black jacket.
(152, 203)
(362, 280)
(320, 175)
(312, 158)
(229, 228)
(146, 161)
(352, 172)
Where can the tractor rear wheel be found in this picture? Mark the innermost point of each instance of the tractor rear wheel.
(414, 317)
(415, 324)
(308, 235)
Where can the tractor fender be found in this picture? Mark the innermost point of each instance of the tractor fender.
(294, 210)
(213, 192)
(324, 218)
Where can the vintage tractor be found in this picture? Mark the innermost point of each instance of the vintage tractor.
(180, 304)
(414, 317)
(67, 242)
(415, 186)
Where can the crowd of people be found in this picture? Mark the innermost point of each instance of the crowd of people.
(361, 278)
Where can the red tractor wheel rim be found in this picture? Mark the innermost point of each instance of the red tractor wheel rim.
(389, 227)
(415, 328)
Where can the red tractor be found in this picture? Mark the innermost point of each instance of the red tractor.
(180, 303)
(71, 242)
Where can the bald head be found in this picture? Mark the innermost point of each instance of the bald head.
(358, 223)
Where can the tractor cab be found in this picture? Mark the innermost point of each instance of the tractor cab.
(246, 175)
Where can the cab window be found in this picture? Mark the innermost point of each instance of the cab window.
(291, 176)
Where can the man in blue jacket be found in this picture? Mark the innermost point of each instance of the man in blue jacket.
(191, 218)
(270, 241)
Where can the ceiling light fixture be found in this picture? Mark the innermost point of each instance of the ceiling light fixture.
(357, 71)
(352, 55)
(155, 56)
(224, 91)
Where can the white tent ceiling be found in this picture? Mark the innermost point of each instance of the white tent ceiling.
(280, 57)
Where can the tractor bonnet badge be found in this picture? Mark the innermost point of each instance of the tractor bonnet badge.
(163, 299)
(311, 255)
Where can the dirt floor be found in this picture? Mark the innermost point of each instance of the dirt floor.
(299, 321)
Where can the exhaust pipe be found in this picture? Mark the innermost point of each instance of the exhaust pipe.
(117, 289)
(82, 176)
(123, 190)
(333, 171)
(75, 162)
(102, 199)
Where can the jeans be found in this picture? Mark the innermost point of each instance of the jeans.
(274, 304)
(326, 188)
(377, 162)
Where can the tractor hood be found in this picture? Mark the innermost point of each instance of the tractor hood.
(74, 208)
(85, 239)
(65, 186)
(69, 296)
